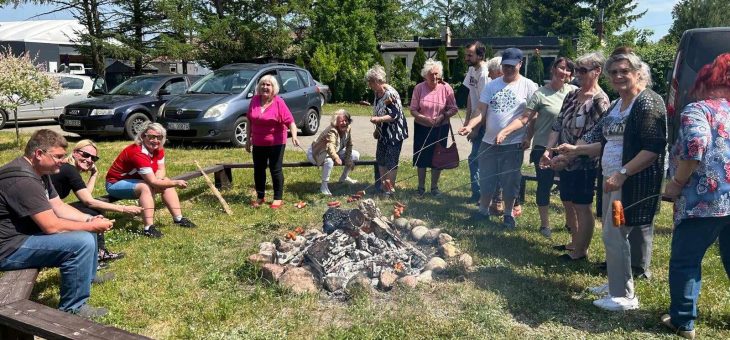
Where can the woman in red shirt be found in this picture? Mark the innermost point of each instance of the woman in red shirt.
(139, 172)
(268, 120)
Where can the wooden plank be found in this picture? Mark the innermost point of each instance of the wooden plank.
(17, 285)
(34, 318)
(195, 174)
(285, 165)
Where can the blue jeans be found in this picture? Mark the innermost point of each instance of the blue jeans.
(474, 163)
(73, 252)
(690, 241)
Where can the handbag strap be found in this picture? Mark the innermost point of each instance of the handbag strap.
(453, 139)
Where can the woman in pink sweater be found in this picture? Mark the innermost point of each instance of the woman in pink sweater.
(268, 120)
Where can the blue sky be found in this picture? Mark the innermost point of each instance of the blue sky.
(658, 18)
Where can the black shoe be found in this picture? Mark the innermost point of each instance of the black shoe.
(436, 192)
(561, 247)
(89, 312)
(421, 192)
(101, 278)
(509, 222)
(102, 265)
(185, 223)
(567, 257)
(106, 255)
(152, 232)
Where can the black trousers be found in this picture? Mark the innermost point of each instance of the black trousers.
(271, 157)
(80, 206)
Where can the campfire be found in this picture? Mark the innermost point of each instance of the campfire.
(358, 247)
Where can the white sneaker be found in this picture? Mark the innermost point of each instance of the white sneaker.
(348, 180)
(617, 304)
(324, 189)
(599, 290)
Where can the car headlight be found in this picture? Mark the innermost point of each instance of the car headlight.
(216, 111)
(161, 110)
(101, 112)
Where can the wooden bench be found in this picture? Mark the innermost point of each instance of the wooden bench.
(22, 319)
(224, 175)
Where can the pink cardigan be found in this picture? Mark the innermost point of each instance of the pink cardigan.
(270, 127)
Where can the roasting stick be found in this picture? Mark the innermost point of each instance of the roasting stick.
(214, 190)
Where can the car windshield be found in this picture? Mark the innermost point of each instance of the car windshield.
(136, 86)
(223, 82)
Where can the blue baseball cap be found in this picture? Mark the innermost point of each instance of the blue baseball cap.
(511, 56)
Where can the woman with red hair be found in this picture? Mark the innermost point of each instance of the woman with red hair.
(700, 187)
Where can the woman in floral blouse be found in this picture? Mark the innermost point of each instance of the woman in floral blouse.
(701, 188)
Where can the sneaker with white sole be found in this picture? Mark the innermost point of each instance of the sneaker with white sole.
(348, 180)
(599, 290)
(617, 304)
(667, 321)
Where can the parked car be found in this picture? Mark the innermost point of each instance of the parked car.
(73, 89)
(215, 107)
(125, 108)
(324, 92)
(697, 48)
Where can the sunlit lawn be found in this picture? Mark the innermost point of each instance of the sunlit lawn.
(196, 284)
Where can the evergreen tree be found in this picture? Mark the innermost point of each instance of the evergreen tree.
(536, 69)
(555, 17)
(611, 16)
(178, 31)
(460, 67)
(138, 19)
(444, 59)
(398, 76)
(418, 61)
(566, 48)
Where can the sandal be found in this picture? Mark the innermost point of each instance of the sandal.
(106, 255)
(257, 203)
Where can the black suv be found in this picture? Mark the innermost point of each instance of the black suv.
(215, 107)
(126, 108)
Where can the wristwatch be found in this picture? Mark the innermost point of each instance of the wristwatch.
(624, 172)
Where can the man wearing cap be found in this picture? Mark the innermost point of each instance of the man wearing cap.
(502, 101)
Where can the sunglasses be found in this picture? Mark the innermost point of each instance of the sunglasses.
(623, 72)
(88, 155)
(153, 137)
(584, 70)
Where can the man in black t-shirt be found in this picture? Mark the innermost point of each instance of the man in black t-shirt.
(37, 229)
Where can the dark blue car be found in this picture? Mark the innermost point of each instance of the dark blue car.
(126, 108)
(214, 109)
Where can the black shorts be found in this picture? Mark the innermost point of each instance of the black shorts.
(578, 186)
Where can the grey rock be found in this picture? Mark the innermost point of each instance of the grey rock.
(401, 223)
(445, 238)
(272, 272)
(417, 233)
(414, 222)
(426, 276)
(299, 280)
(431, 236)
(409, 281)
(436, 264)
(449, 250)
(466, 261)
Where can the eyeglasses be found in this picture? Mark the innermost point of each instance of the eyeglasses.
(57, 158)
(88, 155)
(584, 70)
(153, 137)
(622, 72)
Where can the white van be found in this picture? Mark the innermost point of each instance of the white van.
(76, 68)
(697, 48)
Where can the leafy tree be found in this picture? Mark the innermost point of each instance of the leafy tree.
(493, 18)
(179, 30)
(555, 17)
(23, 83)
(566, 48)
(325, 64)
(536, 69)
(660, 58)
(460, 67)
(347, 27)
(392, 17)
(418, 61)
(398, 76)
(688, 14)
(611, 16)
(446, 13)
(444, 59)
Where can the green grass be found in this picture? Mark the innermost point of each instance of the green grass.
(196, 284)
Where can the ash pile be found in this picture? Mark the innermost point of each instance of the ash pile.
(358, 248)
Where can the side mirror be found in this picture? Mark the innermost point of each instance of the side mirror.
(249, 95)
(97, 92)
(163, 92)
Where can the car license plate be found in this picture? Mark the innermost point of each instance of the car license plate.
(71, 122)
(178, 126)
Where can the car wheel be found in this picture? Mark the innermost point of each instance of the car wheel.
(321, 100)
(239, 136)
(3, 119)
(133, 125)
(311, 123)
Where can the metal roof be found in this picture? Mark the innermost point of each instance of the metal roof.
(60, 32)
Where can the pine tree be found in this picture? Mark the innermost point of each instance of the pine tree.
(566, 48)
(418, 61)
(536, 69)
(444, 59)
(460, 67)
(555, 17)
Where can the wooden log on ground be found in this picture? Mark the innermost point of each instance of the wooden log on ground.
(214, 190)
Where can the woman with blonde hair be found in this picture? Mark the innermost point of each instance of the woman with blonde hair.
(83, 158)
(139, 172)
(334, 147)
(268, 120)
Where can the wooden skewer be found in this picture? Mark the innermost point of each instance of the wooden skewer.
(215, 190)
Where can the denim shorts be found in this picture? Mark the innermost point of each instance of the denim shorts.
(123, 189)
